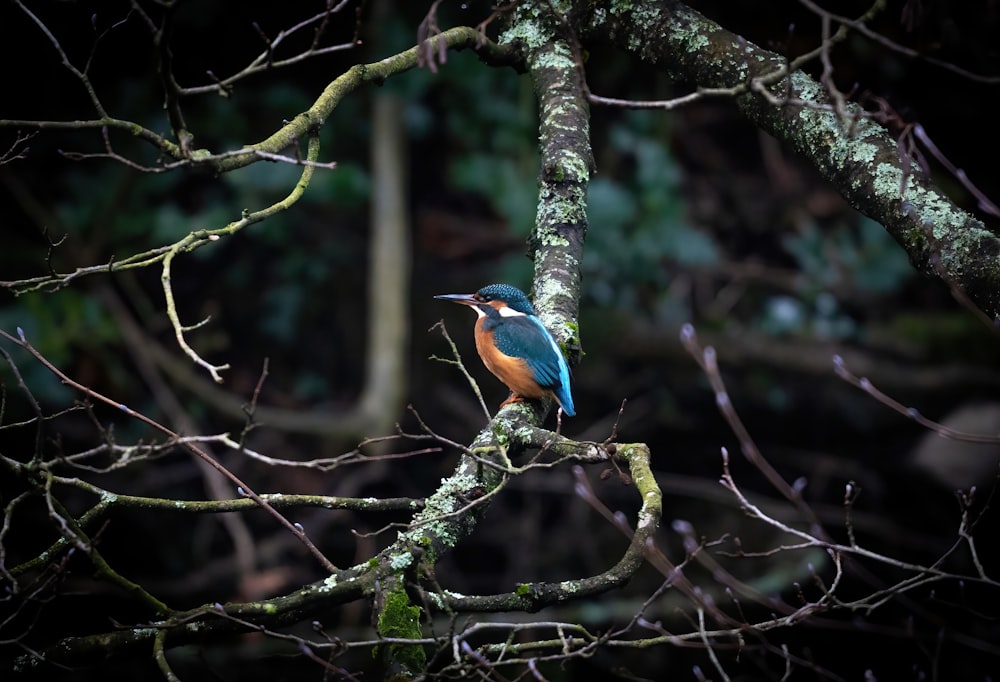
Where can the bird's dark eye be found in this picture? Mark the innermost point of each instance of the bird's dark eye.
(485, 298)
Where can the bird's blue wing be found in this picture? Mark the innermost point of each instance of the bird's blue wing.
(527, 338)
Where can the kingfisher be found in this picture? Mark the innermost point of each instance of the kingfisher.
(515, 346)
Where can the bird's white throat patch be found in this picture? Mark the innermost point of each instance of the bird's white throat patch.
(507, 311)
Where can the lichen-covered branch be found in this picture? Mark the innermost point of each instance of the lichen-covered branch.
(205, 623)
(458, 38)
(534, 596)
(855, 153)
(302, 126)
(551, 53)
(540, 33)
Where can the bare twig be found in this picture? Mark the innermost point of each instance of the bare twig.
(840, 368)
(473, 384)
(295, 529)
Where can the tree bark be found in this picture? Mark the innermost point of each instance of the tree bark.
(856, 154)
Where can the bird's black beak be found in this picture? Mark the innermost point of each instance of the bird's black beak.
(464, 299)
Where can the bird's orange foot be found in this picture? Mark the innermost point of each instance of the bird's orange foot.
(514, 398)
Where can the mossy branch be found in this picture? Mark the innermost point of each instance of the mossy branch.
(530, 597)
(842, 141)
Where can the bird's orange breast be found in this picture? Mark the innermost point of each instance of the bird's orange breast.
(514, 372)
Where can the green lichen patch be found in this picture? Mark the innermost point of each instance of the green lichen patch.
(399, 619)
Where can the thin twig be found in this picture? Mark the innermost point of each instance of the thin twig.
(295, 528)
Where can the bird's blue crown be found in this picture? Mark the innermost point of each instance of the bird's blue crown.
(512, 296)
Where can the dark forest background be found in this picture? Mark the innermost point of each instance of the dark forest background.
(695, 217)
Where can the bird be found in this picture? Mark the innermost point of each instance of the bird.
(516, 347)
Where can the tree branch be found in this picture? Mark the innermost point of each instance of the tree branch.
(556, 244)
(853, 152)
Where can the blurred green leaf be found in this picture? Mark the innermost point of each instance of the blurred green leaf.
(863, 256)
(638, 225)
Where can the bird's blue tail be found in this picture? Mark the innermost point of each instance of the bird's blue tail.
(565, 400)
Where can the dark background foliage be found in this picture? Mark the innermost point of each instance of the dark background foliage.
(694, 217)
